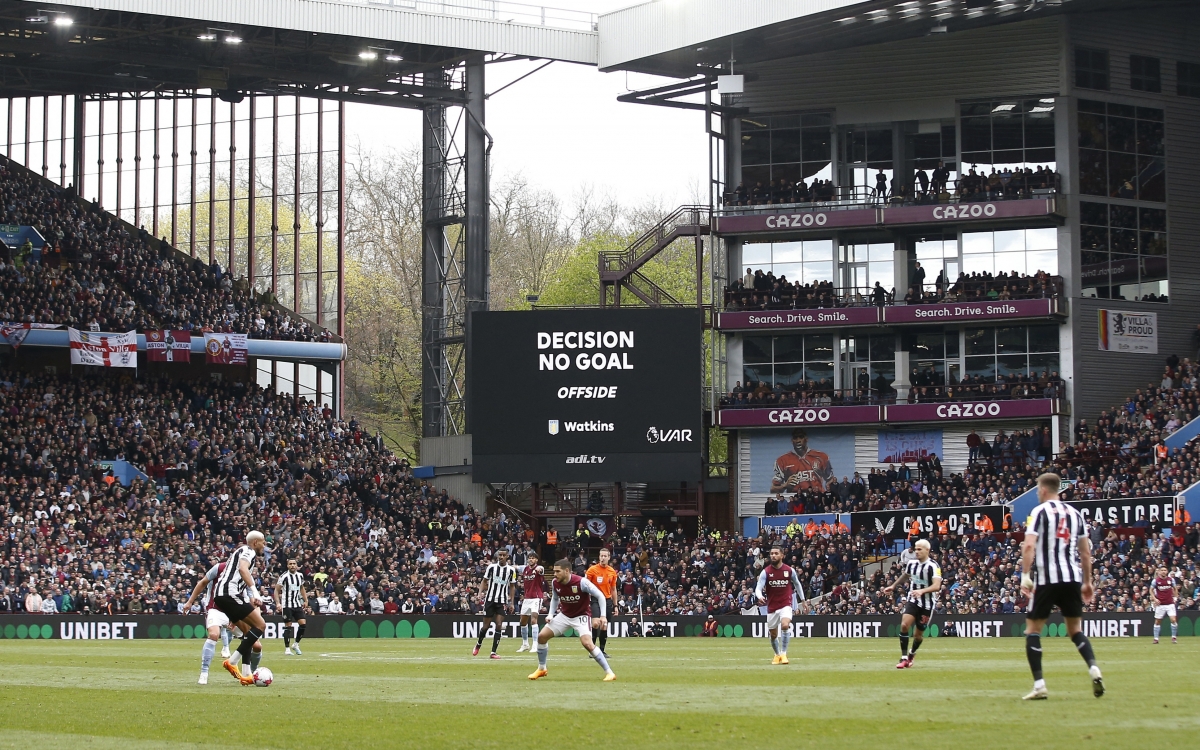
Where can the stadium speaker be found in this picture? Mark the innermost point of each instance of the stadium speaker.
(230, 96)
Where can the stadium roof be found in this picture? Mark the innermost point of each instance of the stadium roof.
(334, 49)
(683, 38)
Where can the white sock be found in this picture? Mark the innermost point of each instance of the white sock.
(206, 654)
(1094, 671)
(235, 658)
(1039, 684)
(543, 651)
(598, 655)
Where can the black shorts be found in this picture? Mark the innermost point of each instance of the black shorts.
(493, 609)
(610, 609)
(293, 614)
(921, 614)
(232, 608)
(1068, 597)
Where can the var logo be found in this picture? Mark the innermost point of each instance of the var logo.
(656, 435)
(553, 427)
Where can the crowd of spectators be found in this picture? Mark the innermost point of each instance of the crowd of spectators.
(221, 458)
(763, 290)
(935, 186)
(94, 273)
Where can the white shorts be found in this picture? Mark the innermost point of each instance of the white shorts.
(1164, 610)
(531, 607)
(215, 618)
(560, 623)
(775, 619)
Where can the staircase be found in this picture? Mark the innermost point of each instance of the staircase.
(623, 269)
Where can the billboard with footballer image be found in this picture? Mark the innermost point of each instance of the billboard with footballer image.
(799, 459)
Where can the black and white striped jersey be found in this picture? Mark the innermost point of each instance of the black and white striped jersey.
(230, 583)
(291, 586)
(921, 575)
(499, 579)
(1058, 527)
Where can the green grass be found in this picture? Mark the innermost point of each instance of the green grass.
(670, 693)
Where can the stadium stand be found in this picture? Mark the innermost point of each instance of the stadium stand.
(95, 273)
(221, 457)
(926, 188)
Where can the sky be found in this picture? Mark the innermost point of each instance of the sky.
(563, 129)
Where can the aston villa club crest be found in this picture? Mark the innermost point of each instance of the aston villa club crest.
(574, 589)
(552, 426)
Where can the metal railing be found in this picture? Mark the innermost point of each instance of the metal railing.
(963, 190)
(495, 10)
(959, 392)
(966, 289)
(646, 245)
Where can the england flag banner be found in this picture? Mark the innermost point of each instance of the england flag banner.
(226, 348)
(103, 349)
(169, 346)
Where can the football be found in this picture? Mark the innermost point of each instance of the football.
(263, 677)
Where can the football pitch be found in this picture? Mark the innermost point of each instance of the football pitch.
(690, 693)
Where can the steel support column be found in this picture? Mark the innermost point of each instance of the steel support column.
(78, 144)
(433, 255)
(477, 252)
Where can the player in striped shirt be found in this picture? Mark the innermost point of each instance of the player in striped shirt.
(1056, 571)
(291, 597)
(216, 623)
(496, 588)
(924, 578)
(236, 595)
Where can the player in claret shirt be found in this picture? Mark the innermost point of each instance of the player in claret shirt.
(779, 588)
(534, 582)
(571, 609)
(1166, 592)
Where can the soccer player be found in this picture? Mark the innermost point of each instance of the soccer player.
(604, 577)
(216, 623)
(1057, 551)
(571, 609)
(292, 598)
(238, 599)
(533, 577)
(779, 588)
(924, 579)
(497, 578)
(1166, 591)
(801, 469)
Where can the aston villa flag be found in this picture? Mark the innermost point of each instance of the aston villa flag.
(103, 349)
(169, 346)
(226, 348)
